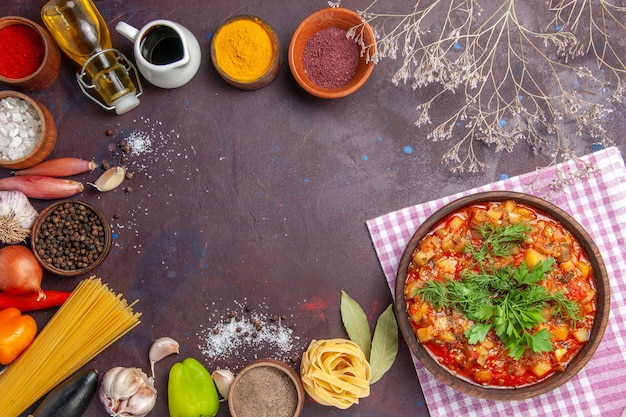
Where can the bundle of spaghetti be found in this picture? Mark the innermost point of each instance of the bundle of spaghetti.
(89, 321)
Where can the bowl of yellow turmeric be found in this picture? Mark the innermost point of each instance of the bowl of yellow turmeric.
(246, 52)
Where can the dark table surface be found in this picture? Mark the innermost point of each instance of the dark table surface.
(255, 198)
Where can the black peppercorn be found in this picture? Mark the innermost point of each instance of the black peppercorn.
(71, 237)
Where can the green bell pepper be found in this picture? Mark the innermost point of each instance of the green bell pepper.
(191, 391)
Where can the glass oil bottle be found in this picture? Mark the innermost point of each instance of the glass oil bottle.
(82, 34)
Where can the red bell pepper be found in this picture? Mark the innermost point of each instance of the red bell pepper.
(29, 302)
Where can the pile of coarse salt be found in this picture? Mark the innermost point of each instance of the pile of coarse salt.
(139, 142)
(20, 128)
(248, 335)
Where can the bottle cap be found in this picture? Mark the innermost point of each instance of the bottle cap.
(126, 103)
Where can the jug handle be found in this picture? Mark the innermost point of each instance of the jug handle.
(127, 31)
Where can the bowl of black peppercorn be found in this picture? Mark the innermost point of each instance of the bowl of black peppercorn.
(70, 238)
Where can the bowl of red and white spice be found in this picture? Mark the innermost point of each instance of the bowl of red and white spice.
(28, 132)
(329, 53)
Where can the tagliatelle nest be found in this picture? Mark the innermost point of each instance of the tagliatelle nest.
(335, 372)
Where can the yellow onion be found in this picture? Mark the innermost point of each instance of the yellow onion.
(20, 273)
(335, 372)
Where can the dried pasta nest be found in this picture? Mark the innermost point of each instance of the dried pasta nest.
(335, 372)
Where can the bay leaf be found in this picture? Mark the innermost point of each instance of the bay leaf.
(356, 324)
(384, 344)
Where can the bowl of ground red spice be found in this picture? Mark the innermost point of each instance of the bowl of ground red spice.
(266, 387)
(29, 57)
(325, 60)
(28, 132)
(246, 52)
(70, 238)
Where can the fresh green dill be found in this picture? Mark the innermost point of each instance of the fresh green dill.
(435, 293)
(498, 241)
(505, 299)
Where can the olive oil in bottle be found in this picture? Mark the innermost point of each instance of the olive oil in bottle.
(82, 34)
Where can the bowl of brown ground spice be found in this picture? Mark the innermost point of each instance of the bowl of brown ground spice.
(324, 59)
(266, 388)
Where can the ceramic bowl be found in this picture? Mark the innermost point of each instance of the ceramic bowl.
(47, 72)
(322, 19)
(218, 56)
(266, 383)
(556, 379)
(47, 139)
(40, 231)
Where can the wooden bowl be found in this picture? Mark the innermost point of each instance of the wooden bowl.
(47, 72)
(218, 56)
(280, 385)
(47, 216)
(329, 17)
(551, 382)
(47, 139)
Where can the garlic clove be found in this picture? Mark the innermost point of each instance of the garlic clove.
(223, 379)
(122, 382)
(110, 179)
(141, 403)
(162, 347)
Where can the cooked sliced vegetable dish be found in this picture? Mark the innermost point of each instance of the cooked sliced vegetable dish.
(501, 294)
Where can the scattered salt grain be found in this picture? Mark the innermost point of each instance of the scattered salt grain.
(139, 143)
(20, 128)
(248, 335)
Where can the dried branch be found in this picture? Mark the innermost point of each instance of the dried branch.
(514, 77)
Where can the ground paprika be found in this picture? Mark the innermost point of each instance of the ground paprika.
(17, 331)
(191, 391)
(21, 51)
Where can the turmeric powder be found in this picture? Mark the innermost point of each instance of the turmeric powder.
(243, 49)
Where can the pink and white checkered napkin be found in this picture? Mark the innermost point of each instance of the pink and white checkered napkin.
(598, 203)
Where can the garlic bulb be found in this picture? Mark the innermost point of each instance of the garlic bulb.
(17, 216)
(126, 392)
(162, 347)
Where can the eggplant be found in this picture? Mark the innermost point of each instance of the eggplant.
(71, 397)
